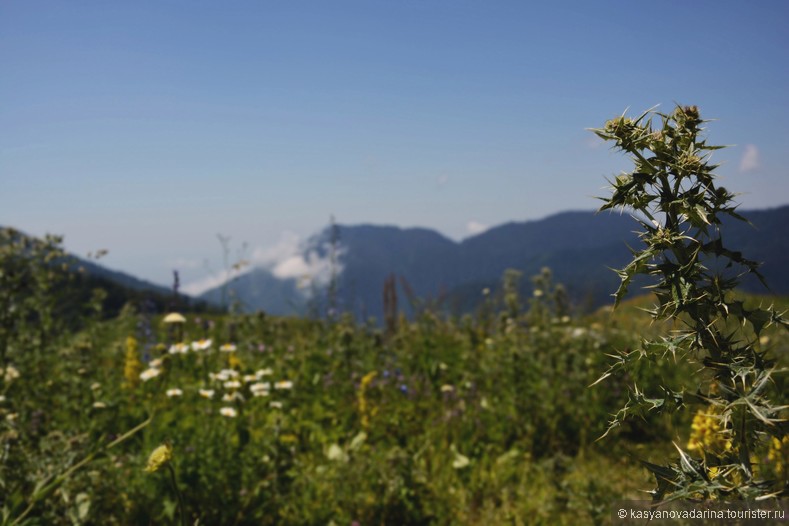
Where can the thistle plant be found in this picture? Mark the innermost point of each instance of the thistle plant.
(672, 192)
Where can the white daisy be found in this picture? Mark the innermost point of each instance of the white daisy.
(260, 389)
(264, 372)
(228, 412)
(201, 345)
(232, 397)
(178, 348)
(150, 373)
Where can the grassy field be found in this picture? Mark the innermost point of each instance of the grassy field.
(487, 419)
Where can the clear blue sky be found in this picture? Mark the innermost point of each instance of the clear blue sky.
(148, 127)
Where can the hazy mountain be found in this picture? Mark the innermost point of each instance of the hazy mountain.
(579, 247)
(260, 289)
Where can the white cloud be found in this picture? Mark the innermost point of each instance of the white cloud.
(293, 267)
(300, 267)
(289, 258)
(195, 288)
(475, 227)
(287, 245)
(751, 159)
(442, 180)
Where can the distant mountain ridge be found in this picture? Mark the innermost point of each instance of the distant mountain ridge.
(580, 247)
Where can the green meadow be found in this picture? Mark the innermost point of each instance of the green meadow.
(486, 419)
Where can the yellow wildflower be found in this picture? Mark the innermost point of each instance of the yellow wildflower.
(132, 366)
(159, 457)
(233, 361)
(365, 411)
(708, 434)
(778, 454)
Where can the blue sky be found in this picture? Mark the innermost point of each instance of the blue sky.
(148, 127)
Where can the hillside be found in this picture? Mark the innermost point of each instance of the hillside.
(77, 278)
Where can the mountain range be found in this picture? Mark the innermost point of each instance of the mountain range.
(579, 247)
(349, 264)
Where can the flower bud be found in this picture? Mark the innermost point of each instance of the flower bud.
(159, 457)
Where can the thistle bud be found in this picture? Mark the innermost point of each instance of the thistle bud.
(692, 112)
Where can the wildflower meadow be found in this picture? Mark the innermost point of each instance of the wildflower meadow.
(527, 411)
